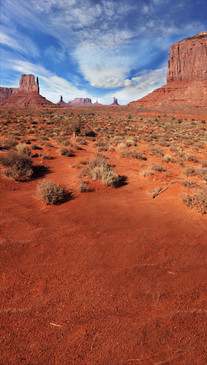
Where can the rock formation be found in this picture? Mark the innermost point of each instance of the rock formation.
(186, 76)
(115, 101)
(27, 84)
(188, 59)
(27, 95)
(77, 102)
(7, 92)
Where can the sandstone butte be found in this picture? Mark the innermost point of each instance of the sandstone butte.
(27, 95)
(186, 76)
(81, 102)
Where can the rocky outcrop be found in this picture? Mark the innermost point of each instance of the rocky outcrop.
(188, 59)
(186, 76)
(7, 92)
(26, 100)
(27, 95)
(27, 84)
(77, 102)
(115, 101)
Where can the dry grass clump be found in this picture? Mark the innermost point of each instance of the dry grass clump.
(158, 167)
(18, 163)
(99, 168)
(50, 193)
(193, 171)
(197, 200)
(83, 186)
(133, 154)
(66, 152)
(157, 191)
(168, 158)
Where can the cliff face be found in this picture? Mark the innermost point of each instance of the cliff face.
(27, 84)
(188, 59)
(27, 95)
(186, 76)
(6, 92)
(77, 102)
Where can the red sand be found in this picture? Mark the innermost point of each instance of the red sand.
(111, 277)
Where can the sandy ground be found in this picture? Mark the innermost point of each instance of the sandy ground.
(111, 277)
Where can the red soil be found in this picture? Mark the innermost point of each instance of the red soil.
(110, 277)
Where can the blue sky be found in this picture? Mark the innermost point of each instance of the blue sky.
(94, 48)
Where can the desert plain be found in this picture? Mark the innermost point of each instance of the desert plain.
(113, 273)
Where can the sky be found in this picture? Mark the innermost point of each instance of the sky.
(94, 48)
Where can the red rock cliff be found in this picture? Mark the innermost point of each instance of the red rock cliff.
(27, 84)
(188, 59)
(186, 76)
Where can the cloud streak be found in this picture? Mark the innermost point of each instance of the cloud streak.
(104, 45)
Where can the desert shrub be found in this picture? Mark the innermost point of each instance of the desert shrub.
(157, 151)
(190, 171)
(192, 158)
(133, 154)
(22, 148)
(99, 168)
(168, 158)
(157, 191)
(204, 164)
(18, 164)
(158, 167)
(130, 142)
(197, 200)
(50, 193)
(83, 187)
(90, 133)
(66, 152)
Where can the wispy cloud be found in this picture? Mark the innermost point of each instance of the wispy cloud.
(105, 44)
(142, 85)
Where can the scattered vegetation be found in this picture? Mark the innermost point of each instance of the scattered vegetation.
(99, 168)
(50, 193)
(18, 163)
(197, 200)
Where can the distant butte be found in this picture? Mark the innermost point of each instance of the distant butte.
(81, 102)
(186, 76)
(27, 95)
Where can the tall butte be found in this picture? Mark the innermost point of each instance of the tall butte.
(186, 76)
(27, 95)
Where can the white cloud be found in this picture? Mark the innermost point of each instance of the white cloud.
(142, 85)
(18, 42)
(101, 67)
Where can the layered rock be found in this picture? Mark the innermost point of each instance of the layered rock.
(26, 100)
(77, 102)
(27, 84)
(115, 101)
(188, 59)
(27, 95)
(7, 92)
(186, 76)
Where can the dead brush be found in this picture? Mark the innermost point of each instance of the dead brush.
(99, 168)
(157, 191)
(138, 155)
(51, 193)
(198, 200)
(18, 163)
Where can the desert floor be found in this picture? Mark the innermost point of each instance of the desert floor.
(111, 276)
